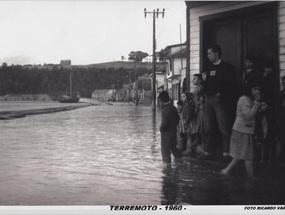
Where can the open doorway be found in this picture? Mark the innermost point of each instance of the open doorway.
(250, 30)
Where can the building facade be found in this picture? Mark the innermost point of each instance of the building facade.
(175, 69)
(239, 27)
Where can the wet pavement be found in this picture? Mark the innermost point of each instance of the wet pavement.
(110, 155)
(201, 184)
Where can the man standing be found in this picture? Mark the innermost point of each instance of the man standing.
(220, 96)
(169, 122)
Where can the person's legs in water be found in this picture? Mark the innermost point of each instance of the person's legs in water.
(165, 149)
(231, 165)
(249, 168)
(224, 126)
(210, 129)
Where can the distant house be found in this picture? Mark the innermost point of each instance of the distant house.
(160, 78)
(26, 97)
(104, 95)
(65, 62)
(144, 90)
(175, 69)
(149, 58)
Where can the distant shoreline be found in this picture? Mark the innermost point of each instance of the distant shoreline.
(6, 115)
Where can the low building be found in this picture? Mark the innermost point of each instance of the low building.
(120, 95)
(160, 78)
(104, 95)
(144, 91)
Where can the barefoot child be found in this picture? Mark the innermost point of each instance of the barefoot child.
(200, 124)
(188, 113)
(241, 144)
(181, 131)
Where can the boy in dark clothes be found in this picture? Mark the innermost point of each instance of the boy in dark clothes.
(268, 89)
(268, 84)
(168, 128)
(251, 72)
(264, 133)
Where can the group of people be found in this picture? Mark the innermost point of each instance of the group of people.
(248, 119)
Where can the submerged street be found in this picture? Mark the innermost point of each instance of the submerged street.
(110, 155)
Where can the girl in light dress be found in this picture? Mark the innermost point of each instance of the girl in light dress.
(242, 137)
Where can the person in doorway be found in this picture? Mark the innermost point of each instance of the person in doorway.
(241, 144)
(251, 72)
(218, 85)
(268, 89)
(268, 83)
(168, 129)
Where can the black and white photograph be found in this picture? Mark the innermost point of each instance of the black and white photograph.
(144, 106)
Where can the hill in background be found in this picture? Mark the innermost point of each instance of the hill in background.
(106, 65)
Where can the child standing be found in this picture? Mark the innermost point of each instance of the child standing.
(188, 112)
(251, 72)
(268, 84)
(197, 82)
(265, 134)
(268, 89)
(168, 129)
(200, 124)
(241, 144)
(181, 134)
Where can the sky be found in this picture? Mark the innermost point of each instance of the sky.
(85, 32)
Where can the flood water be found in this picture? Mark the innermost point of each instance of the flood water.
(104, 155)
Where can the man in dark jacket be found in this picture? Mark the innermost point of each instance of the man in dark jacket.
(220, 93)
(169, 122)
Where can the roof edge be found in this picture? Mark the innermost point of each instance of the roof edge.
(193, 4)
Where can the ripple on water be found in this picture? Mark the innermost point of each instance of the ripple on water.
(99, 148)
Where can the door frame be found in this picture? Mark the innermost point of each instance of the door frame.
(207, 29)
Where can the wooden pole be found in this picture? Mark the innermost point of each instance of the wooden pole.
(153, 67)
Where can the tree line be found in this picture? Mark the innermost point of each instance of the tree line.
(55, 81)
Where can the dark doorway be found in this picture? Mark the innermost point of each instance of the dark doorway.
(249, 30)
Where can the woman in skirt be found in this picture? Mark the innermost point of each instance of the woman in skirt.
(241, 145)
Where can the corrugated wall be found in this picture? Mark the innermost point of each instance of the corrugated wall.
(221, 7)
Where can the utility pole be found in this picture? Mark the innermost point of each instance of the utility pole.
(155, 14)
(136, 87)
(181, 57)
